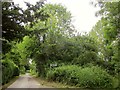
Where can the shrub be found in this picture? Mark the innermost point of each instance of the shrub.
(93, 77)
(16, 71)
(22, 70)
(9, 70)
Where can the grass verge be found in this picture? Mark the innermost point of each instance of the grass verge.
(52, 84)
(9, 83)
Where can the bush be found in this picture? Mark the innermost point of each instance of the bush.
(93, 77)
(22, 70)
(9, 70)
(16, 71)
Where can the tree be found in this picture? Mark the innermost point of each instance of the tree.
(11, 21)
(110, 27)
(50, 34)
(14, 19)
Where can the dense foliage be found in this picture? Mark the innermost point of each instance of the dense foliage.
(43, 40)
(14, 19)
(107, 33)
(9, 70)
(88, 77)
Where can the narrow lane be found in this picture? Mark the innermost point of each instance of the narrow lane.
(25, 81)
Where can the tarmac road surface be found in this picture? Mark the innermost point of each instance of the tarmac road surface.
(25, 81)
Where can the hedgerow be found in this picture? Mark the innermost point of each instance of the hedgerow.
(88, 77)
(9, 70)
